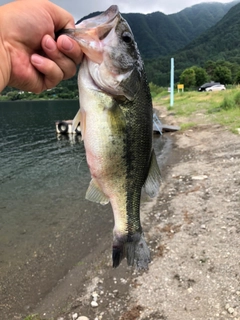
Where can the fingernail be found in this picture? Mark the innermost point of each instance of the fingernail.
(36, 59)
(67, 44)
(50, 44)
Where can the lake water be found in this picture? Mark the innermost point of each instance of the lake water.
(46, 225)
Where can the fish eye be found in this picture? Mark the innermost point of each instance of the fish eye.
(127, 37)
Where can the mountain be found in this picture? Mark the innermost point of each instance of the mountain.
(200, 17)
(158, 34)
(220, 42)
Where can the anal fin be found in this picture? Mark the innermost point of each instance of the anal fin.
(95, 194)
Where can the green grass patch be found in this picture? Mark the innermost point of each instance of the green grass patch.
(222, 107)
(32, 317)
(187, 125)
(35, 317)
(228, 118)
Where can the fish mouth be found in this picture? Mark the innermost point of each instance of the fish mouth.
(104, 18)
(90, 32)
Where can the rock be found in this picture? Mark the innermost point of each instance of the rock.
(74, 316)
(230, 310)
(95, 296)
(200, 177)
(82, 318)
(94, 304)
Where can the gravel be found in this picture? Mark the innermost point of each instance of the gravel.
(193, 229)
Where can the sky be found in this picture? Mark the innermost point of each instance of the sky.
(81, 8)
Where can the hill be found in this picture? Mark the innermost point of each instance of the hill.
(158, 34)
(221, 41)
(197, 19)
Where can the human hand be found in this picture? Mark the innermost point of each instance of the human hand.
(31, 59)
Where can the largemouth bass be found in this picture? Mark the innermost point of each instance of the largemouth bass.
(116, 124)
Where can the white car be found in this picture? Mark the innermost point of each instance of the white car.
(216, 87)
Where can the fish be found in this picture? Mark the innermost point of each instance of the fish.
(116, 117)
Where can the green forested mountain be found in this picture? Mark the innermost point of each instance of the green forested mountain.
(158, 34)
(200, 17)
(220, 43)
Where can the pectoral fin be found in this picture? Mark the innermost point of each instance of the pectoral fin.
(153, 180)
(76, 121)
(95, 194)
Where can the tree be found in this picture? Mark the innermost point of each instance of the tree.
(237, 79)
(200, 76)
(223, 75)
(210, 68)
(188, 77)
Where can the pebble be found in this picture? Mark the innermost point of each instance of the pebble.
(95, 296)
(82, 318)
(200, 177)
(124, 281)
(74, 316)
(94, 304)
(230, 310)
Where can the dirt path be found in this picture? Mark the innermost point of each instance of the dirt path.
(195, 273)
(197, 220)
(194, 231)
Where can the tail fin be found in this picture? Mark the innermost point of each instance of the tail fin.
(136, 251)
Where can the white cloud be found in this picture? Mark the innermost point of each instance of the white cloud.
(79, 8)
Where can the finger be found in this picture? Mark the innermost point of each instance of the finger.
(50, 73)
(61, 18)
(70, 48)
(66, 64)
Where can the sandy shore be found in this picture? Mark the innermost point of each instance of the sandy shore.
(193, 228)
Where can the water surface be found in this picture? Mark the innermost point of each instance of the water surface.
(46, 225)
(44, 218)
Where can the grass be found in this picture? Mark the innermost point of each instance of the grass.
(221, 107)
(35, 317)
(32, 317)
(188, 125)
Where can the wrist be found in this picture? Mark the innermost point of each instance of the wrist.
(5, 62)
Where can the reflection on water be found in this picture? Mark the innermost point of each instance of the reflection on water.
(44, 217)
(72, 138)
(43, 180)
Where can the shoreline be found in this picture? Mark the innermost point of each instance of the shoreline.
(75, 290)
(192, 228)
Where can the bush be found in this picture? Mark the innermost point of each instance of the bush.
(237, 99)
(228, 103)
(231, 102)
(155, 90)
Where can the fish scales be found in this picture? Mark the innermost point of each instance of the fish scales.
(116, 124)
